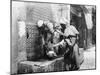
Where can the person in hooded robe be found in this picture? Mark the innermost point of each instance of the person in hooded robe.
(70, 36)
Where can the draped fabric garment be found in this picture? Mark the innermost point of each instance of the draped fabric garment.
(76, 10)
(50, 27)
(88, 17)
(71, 30)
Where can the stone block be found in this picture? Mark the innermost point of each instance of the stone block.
(54, 65)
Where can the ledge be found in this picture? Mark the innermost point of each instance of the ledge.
(54, 65)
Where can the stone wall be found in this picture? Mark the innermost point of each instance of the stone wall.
(28, 67)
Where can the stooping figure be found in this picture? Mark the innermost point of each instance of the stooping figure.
(46, 32)
(71, 56)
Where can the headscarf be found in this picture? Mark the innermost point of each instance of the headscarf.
(40, 23)
(71, 30)
(50, 27)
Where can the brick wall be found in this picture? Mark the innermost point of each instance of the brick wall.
(38, 11)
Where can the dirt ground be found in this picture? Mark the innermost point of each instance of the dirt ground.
(89, 59)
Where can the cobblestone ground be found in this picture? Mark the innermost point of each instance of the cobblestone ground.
(89, 59)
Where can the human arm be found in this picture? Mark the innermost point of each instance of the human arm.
(59, 44)
(71, 41)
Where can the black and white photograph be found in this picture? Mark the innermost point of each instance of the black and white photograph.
(52, 37)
